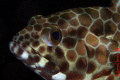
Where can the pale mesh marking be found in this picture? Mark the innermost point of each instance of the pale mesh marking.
(59, 76)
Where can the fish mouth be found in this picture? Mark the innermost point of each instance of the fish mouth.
(32, 59)
(27, 55)
(20, 52)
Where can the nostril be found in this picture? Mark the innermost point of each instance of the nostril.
(55, 35)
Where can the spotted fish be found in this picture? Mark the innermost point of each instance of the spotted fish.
(75, 44)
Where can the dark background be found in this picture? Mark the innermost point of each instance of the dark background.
(14, 16)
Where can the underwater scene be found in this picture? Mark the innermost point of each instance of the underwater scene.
(71, 43)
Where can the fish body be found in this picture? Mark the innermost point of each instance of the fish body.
(74, 44)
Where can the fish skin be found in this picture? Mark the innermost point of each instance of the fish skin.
(87, 47)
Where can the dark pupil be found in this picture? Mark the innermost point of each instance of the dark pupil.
(55, 35)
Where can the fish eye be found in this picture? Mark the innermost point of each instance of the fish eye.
(51, 35)
(55, 35)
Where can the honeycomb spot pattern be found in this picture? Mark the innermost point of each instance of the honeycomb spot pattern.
(87, 51)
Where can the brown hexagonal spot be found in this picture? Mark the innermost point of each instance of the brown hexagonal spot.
(92, 40)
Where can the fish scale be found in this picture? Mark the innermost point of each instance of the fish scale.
(85, 49)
